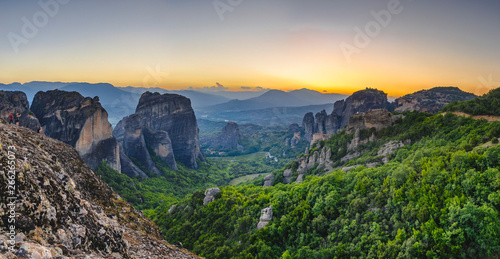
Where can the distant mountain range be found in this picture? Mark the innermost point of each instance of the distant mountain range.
(121, 101)
(277, 98)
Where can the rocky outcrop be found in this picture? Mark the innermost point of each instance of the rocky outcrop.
(265, 218)
(296, 136)
(128, 167)
(294, 141)
(268, 180)
(230, 136)
(227, 140)
(160, 144)
(377, 119)
(210, 195)
(320, 158)
(287, 174)
(358, 102)
(17, 102)
(130, 133)
(389, 148)
(308, 125)
(432, 100)
(64, 210)
(361, 101)
(80, 122)
(171, 119)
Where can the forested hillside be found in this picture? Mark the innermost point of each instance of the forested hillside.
(437, 196)
(488, 104)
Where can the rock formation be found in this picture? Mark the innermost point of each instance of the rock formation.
(64, 210)
(130, 135)
(268, 180)
(308, 125)
(227, 140)
(360, 101)
(210, 195)
(287, 174)
(165, 124)
(80, 122)
(265, 218)
(17, 102)
(432, 100)
(377, 119)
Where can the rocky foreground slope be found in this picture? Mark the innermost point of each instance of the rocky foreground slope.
(13, 102)
(63, 209)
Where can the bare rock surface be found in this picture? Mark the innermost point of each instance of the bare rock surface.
(16, 102)
(268, 180)
(210, 195)
(265, 218)
(64, 210)
(80, 122)
(431, 100)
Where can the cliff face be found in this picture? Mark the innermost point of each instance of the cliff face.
(432, 100)
(63, 209)
(360, 101)
(167, 125)
(137, 138)
(378, 119)
(308, 125)
(80, 122)
(17, 102)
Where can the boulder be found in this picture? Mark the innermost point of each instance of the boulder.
(390, 147)
(210, 195)
(287, 174)
(268, 180)
(266, 217)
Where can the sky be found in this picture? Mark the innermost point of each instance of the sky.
(329, 46)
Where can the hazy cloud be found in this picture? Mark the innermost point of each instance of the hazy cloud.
(216, 88)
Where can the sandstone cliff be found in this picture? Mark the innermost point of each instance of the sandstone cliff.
(165, 124)
(64, 210)
(432, 100)
(137, 140)
(80, 122)
(377, 119)
(17, 102)
(360, 101)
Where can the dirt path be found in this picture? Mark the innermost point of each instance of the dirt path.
(489, 118)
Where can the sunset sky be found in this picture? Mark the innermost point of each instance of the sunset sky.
(277, 44)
